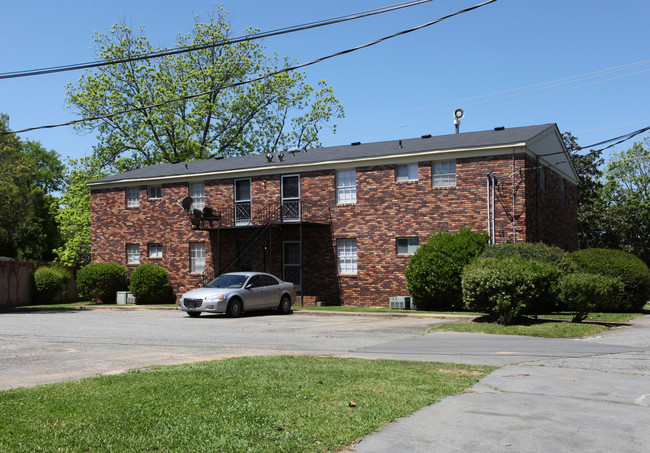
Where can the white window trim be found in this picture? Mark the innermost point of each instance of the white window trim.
(132, 197)
(347, 256)
(409, 245)
(131, 256)
(346, 191)
(442, 178)
(197, 257)
(155, 250)
(157, 192)
(198, 197)
(412, 173)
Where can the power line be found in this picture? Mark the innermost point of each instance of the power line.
(257, 79)
(179, 50)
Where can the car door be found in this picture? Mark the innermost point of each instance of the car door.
(272, 291)
(254, 293)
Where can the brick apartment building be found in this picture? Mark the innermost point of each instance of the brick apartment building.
(340, 222)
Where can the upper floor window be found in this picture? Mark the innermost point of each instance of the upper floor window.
(197, 257)
(407, 246)
(346, 186)
(155, 192)
(132, 253)
(444, 173)
(132, 197)
(197, 192)
(155, 251)
(407, 172)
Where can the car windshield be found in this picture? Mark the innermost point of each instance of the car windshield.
(228, 281)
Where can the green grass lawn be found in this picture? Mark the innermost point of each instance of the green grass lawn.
(256, 404)
(546, 329)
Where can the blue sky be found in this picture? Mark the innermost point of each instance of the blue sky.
(583, 64)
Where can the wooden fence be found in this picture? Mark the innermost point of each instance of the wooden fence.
(16, 283)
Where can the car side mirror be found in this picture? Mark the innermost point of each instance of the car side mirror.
(249, 286)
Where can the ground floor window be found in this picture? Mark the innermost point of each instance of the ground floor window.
(155, 251)
(346, 253)
(197, 257)
(407, 246)
(132, 253)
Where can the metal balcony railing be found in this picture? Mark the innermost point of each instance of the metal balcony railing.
(272, 213)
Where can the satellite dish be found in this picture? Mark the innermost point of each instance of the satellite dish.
(459, 113)
(187, 203)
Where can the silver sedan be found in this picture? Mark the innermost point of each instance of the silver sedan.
(236, 292)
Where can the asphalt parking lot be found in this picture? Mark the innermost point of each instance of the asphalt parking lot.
(50, 346)
(590, 394)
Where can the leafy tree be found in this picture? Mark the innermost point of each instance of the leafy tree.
(74, 213)
(231, 118)
(27, 173)
(628, 189)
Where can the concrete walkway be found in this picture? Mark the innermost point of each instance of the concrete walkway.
(582, 402)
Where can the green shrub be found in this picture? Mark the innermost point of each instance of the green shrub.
(585, 293)
(615, 263)
(101, 281)
(49, 281)
(532, 251)
(150, 284)
(433, 274)
(509, 287)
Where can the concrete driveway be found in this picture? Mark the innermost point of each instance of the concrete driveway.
(596, 399)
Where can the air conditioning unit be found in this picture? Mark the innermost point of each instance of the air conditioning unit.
(400, 302)
(121, 297)
(130, 299)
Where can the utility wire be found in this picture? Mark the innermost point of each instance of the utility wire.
(257, 79)
(179, 50)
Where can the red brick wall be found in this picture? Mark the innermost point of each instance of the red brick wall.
(552, 216)
(385, 210)
(160, 221)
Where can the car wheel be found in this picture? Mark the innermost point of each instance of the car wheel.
(285, 305)
(194, 314)
(235, 308)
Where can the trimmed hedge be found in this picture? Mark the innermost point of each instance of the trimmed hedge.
(509, 287)
(433, 275)
(150, 285)
(585, 293)
(532, 251)
(632, 272)
(49, 281)
(101, 281)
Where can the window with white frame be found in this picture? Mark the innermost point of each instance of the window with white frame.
(197, 192)
(406, 172)
(155, 251)
(346, 253)
(407, 246)
(132, 253)
(197, 257)
(132, 197)
(346, 186)
(155, 192)
(444, 173)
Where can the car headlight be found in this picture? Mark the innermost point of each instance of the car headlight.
(214, 298)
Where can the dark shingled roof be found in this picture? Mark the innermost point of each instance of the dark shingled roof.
(466, 140)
